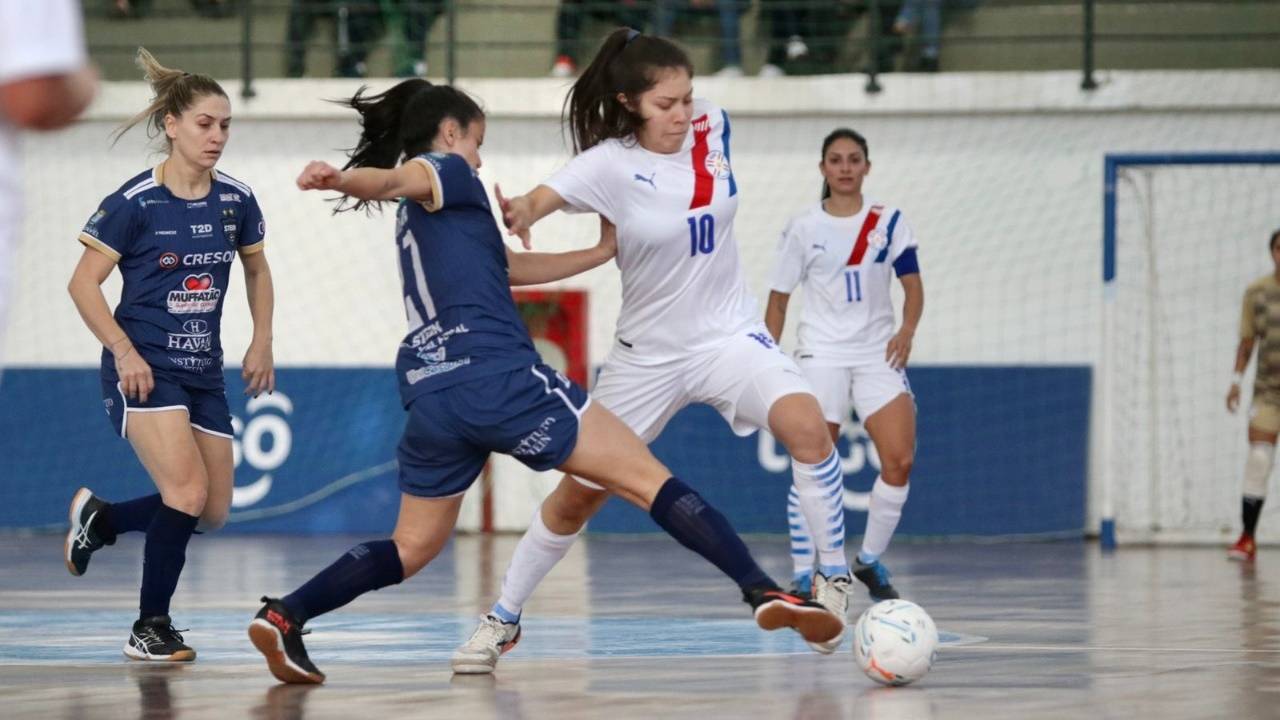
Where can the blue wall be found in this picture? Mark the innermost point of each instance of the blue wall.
(1002, 450)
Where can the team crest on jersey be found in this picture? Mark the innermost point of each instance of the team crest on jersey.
(168, 261)
(230, 228)
(717, 164)
(878, 239)
(92, 225)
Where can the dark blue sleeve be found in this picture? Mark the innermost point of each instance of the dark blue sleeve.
(454, 183)
(907, 264)
(113, 228)
(255, 228)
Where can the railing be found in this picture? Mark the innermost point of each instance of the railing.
(254, 38)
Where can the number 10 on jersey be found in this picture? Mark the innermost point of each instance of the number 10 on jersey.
(702, 234)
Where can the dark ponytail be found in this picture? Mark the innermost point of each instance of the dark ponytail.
(401, 123)
(628, 63)
(845, 134)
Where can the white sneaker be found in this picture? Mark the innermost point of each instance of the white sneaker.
(480, 654)
(769, 70)
(832, 594)
(729, 71)
(796, 47)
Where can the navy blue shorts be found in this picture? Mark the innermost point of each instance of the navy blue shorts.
(207, 408)
(530, 414)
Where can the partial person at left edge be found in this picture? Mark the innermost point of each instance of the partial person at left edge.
(46, 81)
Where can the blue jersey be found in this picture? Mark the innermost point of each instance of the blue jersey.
(175, 258)
(463, 323)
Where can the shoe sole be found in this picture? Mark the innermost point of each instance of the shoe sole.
(268, 640)
(468, 667)
(180, 656)
(1239, 556)
(77, 504)
(815, 625)
(829, 647)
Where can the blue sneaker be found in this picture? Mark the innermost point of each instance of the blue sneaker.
(876, 577)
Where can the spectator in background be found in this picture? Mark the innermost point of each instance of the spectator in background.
(728, 12)
(628, 13)
(786, 43)
(924, 17)
(357, 25)
(45, 82)
(415, 18)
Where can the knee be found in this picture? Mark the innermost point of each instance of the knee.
(212, 519)
(415, 551)
(569, 508)
(189, 496)
(895, 468)
(810, 441)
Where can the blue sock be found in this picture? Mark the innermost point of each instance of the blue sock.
(365, 567)
(163, 557)
(688, 518)
(128, 516)
(867, 558)
(504, 614)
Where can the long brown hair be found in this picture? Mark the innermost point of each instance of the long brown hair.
(174, 90)
(627, 63)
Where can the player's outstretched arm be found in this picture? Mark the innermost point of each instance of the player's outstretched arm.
(86, 292)
(775, 313)
(48, 102)
(410, 180)
(521, 212)
(530, 268)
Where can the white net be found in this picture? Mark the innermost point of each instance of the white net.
(1189, 239)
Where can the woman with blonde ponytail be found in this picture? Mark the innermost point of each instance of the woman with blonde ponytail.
(174, 231)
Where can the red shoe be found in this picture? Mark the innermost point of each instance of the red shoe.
(1244, 550)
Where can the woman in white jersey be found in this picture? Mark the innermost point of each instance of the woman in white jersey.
(843, 251)
(655, 162)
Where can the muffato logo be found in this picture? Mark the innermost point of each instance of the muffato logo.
(860, 453)
(263, 443)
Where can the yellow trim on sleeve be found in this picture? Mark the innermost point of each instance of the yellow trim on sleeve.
(90, 241)
(254, 248)
(437, 192)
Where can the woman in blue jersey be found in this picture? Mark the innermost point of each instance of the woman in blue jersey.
(472, 383)
(173, 231)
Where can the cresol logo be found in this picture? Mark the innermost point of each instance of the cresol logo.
(264, 443)
(861, 452)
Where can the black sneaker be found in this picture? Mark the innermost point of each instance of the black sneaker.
(777, 609)
(876, 577)
(279, 638)
(82, 541)
(154, 638)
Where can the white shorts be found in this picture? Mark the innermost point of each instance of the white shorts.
(741, 378)
(866, 387)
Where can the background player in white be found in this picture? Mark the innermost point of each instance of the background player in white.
(656, 163)
(45, 82)
(843, 251)
(1260, 325)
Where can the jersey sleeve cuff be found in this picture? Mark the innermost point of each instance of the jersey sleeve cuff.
(253, 249)
(90, 241)
(437, 192)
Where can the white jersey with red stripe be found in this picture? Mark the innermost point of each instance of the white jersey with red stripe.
(683, 288)
(845, 265)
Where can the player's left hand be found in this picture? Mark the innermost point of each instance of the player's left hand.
(319, 175)
(899, 349)
(258, 369)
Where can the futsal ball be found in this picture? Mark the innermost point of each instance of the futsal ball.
(895, 642)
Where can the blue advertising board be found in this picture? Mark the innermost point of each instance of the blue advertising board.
(1001, 450)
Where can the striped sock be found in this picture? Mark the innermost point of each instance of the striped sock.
(820, 495)
(801, 542)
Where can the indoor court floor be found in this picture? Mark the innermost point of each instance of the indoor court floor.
(638, 627)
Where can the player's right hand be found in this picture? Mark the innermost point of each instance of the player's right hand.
(517, 215)
(319, 175)
(135, 376)
(1233, 398)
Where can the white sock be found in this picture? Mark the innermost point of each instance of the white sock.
(820, 490)
(1257, 469)
(882, 519)
(801, 540)
(537, 552)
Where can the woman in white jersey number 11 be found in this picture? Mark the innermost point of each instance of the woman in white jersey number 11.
(844, 250)
(657, 164)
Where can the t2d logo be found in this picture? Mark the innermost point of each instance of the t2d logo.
(264, 443)
(859, 453)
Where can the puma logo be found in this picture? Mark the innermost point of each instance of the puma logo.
(649, 179)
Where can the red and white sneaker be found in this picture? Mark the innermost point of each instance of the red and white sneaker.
(1244, 550)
